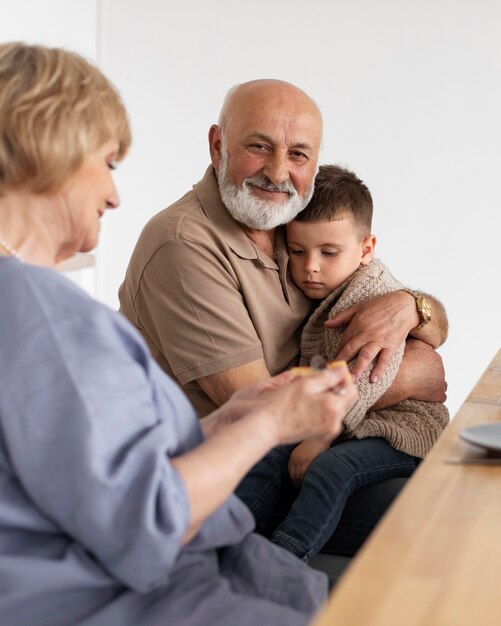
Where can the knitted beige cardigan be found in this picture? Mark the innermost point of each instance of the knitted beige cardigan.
(411, 426)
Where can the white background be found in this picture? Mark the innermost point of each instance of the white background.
(411, 96)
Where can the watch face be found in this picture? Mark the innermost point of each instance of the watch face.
(424, 308)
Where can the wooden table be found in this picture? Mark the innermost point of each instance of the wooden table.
(435, 558)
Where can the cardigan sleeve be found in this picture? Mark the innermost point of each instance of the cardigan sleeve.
(369, 393)
(368, 282)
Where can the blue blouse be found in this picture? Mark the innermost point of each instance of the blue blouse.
(92, 513)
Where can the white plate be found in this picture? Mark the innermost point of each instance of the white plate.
(486, 436)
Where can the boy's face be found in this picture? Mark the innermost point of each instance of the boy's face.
(325, 254)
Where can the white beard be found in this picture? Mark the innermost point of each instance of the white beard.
(256, 213)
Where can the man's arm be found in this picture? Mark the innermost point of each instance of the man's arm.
(178, 305)
(222, 385)
(436, 331)
(421, 377)
(375, 328)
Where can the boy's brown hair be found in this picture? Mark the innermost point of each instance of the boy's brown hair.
(339, 193)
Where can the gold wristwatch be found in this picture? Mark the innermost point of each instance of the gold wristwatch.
(423, 307)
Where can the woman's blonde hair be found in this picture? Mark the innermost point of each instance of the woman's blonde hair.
(55, 108)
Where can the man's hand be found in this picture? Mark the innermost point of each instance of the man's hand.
(375, 329)
(303, 455)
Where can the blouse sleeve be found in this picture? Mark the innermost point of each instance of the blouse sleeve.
(90, 423)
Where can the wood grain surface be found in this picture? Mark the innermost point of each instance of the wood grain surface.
(435, 558)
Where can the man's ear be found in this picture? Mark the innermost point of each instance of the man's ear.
(368, 246)
(215, 146)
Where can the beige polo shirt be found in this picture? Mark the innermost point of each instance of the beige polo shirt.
(205, 298)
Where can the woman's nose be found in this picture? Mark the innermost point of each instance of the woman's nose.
(113, 199)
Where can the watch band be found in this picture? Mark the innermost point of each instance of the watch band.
(423, 307)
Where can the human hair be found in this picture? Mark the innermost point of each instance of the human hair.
(339, 193)
(55, 108)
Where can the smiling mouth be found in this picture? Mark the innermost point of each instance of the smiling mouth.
(271, 191)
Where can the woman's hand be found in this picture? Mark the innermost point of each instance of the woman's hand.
(264, 414)
(242, 402)
(289, 394)
(297, 407)
(308, 407)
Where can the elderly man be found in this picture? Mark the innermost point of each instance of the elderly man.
(208, 285)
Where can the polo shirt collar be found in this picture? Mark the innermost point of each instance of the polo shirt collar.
(207, 191)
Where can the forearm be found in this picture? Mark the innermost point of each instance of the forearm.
(222, 385)
(421, 376)
(212, 471)
(435, 332)
(396, 393)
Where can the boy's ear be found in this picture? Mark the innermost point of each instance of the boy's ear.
(368, 245)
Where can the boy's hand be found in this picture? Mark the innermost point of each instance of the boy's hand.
(303, 455)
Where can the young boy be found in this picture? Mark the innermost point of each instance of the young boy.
(331, 251)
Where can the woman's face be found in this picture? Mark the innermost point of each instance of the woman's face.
(87, 195)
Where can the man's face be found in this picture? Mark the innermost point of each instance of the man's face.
(254, 212)
(266, 160)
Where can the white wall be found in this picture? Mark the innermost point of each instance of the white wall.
(411, 98)
(72, 25)
(51, 22)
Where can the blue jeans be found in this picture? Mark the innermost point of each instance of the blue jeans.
(348, 466)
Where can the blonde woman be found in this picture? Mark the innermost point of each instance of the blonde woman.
(115, 501)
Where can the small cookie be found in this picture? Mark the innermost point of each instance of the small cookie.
(306, 370)
(333, 364)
